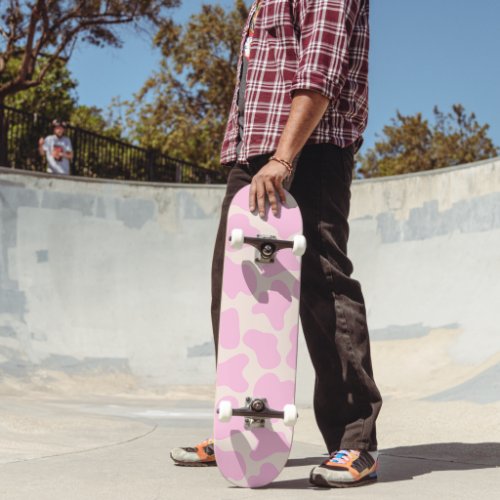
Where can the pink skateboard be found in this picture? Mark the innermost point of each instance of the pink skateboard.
(257, 352)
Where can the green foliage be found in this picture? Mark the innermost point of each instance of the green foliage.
(182, 109)
(92, 118)
(40, 33)
(411, 144)
(54, 97)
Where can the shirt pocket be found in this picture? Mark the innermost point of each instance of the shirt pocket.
(276, 17)
(278, 29)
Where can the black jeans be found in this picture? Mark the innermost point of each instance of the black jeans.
(332, 309)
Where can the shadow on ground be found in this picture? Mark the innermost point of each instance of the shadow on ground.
(407, 462)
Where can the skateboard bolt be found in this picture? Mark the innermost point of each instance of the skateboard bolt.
(267, 250)
(258, 405)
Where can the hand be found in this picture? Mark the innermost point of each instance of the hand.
(265, 184)
(41, 141)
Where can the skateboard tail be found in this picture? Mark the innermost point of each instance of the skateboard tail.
(253, 460)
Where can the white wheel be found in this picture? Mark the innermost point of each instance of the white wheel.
(299, 245)
(291, 415)
(225, 411)
(237, 238)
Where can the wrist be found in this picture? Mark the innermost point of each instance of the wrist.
(287, 164)
(284, 154)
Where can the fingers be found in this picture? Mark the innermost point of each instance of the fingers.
(253, 193)
(258, 195)
(271, 195)
(262, 189)
(267, 184)
(282, 194)
(261, 196)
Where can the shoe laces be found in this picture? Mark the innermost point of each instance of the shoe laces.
(343, 456)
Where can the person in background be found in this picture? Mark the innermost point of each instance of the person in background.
(57, 149)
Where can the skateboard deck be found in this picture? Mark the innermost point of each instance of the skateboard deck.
(257, 352)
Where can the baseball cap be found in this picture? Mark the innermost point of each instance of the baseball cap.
(59, 123)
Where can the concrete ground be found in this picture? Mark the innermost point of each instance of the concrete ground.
(57, 446)
(97, 285)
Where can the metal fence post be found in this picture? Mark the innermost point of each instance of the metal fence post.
(150, 164)
(3, 138)
(75, 164)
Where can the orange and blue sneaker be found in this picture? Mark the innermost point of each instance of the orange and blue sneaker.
(201, 455)
(346, 468)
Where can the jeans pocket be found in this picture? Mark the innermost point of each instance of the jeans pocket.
(347, 160)
(337, 162)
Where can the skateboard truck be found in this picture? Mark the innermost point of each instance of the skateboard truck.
(256, 411)
(267, 246)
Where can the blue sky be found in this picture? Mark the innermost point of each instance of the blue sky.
(425, 53)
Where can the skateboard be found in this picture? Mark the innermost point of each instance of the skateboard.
(257, 351)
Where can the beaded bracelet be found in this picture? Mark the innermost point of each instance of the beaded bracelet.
(287, 164)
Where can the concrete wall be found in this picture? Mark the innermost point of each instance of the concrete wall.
(106, 275)
(99, 276)
(426, 248)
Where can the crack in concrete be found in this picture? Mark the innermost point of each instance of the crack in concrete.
(119, 443)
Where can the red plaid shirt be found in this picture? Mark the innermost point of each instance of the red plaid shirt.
(319, 45)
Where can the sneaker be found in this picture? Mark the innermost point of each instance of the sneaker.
(346, 468)
(202, 455)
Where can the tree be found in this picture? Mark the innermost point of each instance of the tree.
(182, 109)
(411, 144)
(43, 32)
(92, 118)
(54, 97)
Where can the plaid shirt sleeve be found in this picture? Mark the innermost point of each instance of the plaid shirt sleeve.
(318, 45)
(326, 29)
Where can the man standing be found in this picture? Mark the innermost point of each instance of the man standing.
(57, 149)
(299, 108)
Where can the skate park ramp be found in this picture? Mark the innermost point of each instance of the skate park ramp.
(113, 278)
(105, 334)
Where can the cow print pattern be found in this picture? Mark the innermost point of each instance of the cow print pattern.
(257, 350)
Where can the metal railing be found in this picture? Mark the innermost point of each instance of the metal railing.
(95, 155)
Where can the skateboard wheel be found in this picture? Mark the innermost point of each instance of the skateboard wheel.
(225, 411)
(237, 238)
(290, 415)
(299, 245)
